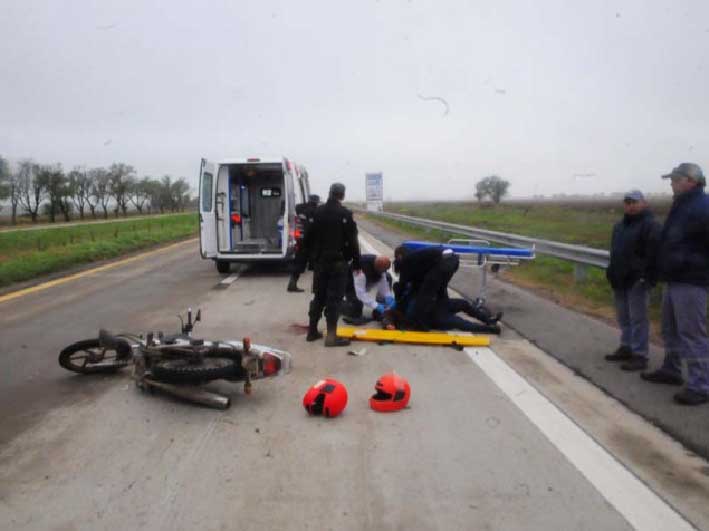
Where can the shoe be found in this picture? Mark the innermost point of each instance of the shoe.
(293, 288)
(622, 353)
(636, 363)
(313, 335)
(331, 339)
(688, 397)
(662, 377)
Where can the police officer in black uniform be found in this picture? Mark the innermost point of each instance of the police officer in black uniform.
(331, 243)
(305, 213)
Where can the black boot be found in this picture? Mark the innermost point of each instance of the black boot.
(293, 285)
(313, 334)
(331, 339)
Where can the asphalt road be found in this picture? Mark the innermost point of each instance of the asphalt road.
(500, 438)
(581, 342)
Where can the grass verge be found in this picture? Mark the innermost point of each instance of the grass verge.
(550, 278)
(29, 254)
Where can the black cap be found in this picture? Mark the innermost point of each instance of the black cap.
(689, 170)
(337, 190)
(314, 198)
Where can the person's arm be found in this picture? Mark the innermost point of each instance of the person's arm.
(354, 243)
(384, 291)
(360, 285)
(652, 235)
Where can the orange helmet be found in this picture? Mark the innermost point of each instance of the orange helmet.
(328, 397)
(393, 393)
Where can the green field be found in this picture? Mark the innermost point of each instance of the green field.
(25, 255)
(552, 278)
(582, 222)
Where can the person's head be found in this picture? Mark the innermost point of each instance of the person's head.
(686, 177)
(337, 191)
(399, 254)
(314, 199)
(634, 202)
(381, 264)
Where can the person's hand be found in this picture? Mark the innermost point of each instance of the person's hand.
(380, 308)
(389, 301)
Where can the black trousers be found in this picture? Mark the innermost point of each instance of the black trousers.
(329, 284)
(433, 287)
(445, 318)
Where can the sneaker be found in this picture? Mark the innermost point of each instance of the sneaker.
(636, 363)
(688, 397)
(622, 353)
(662, 377)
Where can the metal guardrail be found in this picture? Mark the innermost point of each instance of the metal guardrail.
(579, 255)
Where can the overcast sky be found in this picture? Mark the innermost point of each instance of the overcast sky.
(554, 96)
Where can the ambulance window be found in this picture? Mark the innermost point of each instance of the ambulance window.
(206, 192)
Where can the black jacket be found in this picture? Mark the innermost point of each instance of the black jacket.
(414, 265)
(683, 254)
(633, 250)
(332, 236)
(306, 213)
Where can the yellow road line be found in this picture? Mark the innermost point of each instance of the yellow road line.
(75, 276)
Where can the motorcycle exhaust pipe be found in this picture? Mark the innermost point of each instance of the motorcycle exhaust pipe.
(191, 393)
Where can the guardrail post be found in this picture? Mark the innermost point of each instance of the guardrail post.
(580, 272)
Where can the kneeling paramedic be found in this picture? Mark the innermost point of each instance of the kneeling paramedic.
(372, 277)
(332, 243)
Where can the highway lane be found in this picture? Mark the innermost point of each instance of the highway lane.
(95, 453)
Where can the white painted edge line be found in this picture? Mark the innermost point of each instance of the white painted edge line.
(230, 279)
(635, 501)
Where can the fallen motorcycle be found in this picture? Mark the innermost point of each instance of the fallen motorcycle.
(177, 364)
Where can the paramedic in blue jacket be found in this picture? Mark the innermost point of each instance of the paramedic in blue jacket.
(683, 263)
(633, 250)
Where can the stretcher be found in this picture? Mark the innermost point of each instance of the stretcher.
(413, 337)
(478, 254)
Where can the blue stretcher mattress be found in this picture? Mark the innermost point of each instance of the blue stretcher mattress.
(469, 249)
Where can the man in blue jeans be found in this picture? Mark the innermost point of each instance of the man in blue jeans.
(683, 263)
(633, 249)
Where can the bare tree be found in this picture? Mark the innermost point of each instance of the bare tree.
(100, 189)
(4, 180)
(179, 194)
(32, 190)
(80, 185)
(139, 193)
(10, 187)
(53, 180)
(122, 176)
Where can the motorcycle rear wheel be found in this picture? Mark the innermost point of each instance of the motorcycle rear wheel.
(88, 357)
(186, 372)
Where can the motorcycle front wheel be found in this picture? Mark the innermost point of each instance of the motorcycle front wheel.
(88, 357)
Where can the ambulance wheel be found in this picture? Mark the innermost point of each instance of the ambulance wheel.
(223, 266)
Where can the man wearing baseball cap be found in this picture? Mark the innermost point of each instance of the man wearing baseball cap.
(683, 263)
(632, 257)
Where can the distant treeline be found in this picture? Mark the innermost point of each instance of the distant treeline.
(34, 190)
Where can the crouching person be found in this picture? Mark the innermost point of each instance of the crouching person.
(633, 249)
(369, 291)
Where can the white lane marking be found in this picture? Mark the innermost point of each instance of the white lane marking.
(230, 279)
(634, 500)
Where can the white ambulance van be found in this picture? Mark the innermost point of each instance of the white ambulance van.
(247, 209)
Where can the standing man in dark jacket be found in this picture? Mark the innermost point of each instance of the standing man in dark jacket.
(633, 249)
(683, 263)
(305, 213)
(331, 242)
